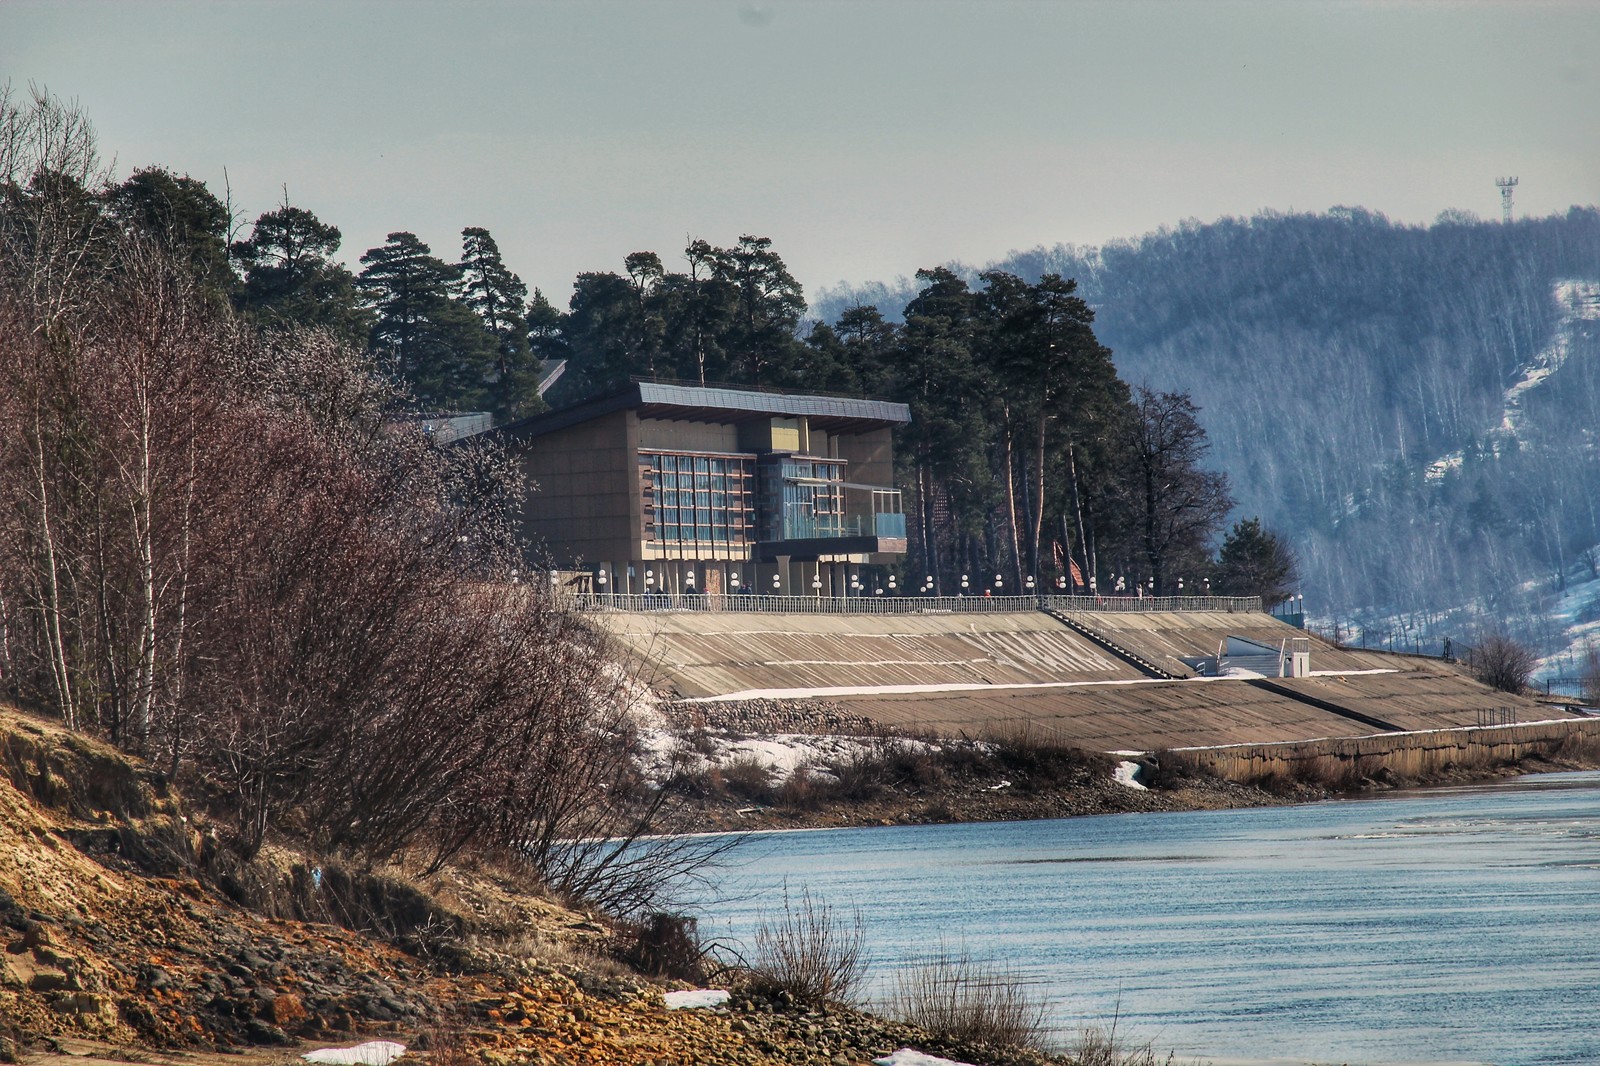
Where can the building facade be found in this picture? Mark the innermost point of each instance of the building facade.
(683, 489)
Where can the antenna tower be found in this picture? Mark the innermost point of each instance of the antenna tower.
(1505, 186)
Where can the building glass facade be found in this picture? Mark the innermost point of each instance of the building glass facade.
(694, 498)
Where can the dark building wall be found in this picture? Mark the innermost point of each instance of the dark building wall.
(680, 435)
(585, 502)
(870, 455)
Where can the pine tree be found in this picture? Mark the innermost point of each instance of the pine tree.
(291, 278)
(497, 295)
(436, 343)
(1255, 561)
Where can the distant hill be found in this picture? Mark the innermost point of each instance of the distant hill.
(1418, 408)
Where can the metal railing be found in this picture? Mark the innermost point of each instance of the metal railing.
(768, 604)
(1153, 604)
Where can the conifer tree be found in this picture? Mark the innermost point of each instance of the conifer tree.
(497, 295)
(292, 279)
(435, 342)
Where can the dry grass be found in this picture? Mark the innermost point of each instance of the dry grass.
(809, 952)
(959, 999)
(1099, 1046)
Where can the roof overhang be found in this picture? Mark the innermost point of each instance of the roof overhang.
(697, 403)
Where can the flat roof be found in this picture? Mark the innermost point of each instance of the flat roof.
(700, 403)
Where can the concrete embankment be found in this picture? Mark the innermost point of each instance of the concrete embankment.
(1415, 756)
(1074, 682)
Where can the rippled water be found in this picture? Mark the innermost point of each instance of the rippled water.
(1454, 925)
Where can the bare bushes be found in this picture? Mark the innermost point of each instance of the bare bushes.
(212, 554)
(1591, 675)
(959, 999)
(1168, 769)
(810, 953)
(862, 769)
(1503, 663)
(1102, 1046)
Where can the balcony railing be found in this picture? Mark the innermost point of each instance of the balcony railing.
(762, 603)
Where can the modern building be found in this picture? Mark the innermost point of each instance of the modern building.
(673, 489)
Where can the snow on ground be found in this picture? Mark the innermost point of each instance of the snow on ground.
(1579, 301)
(372, 1053)
(1577, 612)
(1124, 775)
(780, 753)
(696, 998)
(908, 1057)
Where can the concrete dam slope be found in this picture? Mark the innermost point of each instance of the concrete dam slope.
(718, 653)
(1077, 680)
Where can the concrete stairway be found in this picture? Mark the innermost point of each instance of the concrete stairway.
(1133, 659)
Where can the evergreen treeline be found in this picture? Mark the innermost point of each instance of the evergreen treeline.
(1352, 374)
(1027, 455)
(459, 336)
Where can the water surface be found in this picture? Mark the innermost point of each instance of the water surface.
(1456, 925)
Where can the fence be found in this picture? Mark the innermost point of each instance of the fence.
(762, 603)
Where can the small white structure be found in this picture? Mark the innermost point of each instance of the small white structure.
(1291, 658)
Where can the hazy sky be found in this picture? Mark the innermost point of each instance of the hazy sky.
(867, 139)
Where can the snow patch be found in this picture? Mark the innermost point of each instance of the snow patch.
(1579, 302)
(372, 1053)
(1124, 775)
(909, 1057)
(696, 998)
(782, 754)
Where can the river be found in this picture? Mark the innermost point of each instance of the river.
(1451, 925)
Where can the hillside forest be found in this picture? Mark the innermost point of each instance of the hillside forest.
(1414, 408)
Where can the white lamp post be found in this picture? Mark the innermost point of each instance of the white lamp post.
(599, 579)
(963, 584)
(892, 589)
(816, 585)
(999, 584)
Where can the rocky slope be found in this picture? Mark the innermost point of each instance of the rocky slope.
(120, 943)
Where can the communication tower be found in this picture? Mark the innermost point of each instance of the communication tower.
(1505, 185)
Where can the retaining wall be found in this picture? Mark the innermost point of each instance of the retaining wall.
(1409, 754)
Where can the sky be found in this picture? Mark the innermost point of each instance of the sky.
(867, 139)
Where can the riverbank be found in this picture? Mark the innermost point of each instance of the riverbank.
(924, 782)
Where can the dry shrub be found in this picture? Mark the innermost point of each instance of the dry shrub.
(212, 554)
(959, 999)
(1172, 769)
(810, 953)
(804, 789)
(1591, 674)
(446, 1039)
(1503, 663)
(1035, 762)
(747, 777)
(668, 945)
(1101, 1046)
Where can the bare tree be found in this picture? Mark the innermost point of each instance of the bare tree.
(1503, 663)
(1180, 507)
